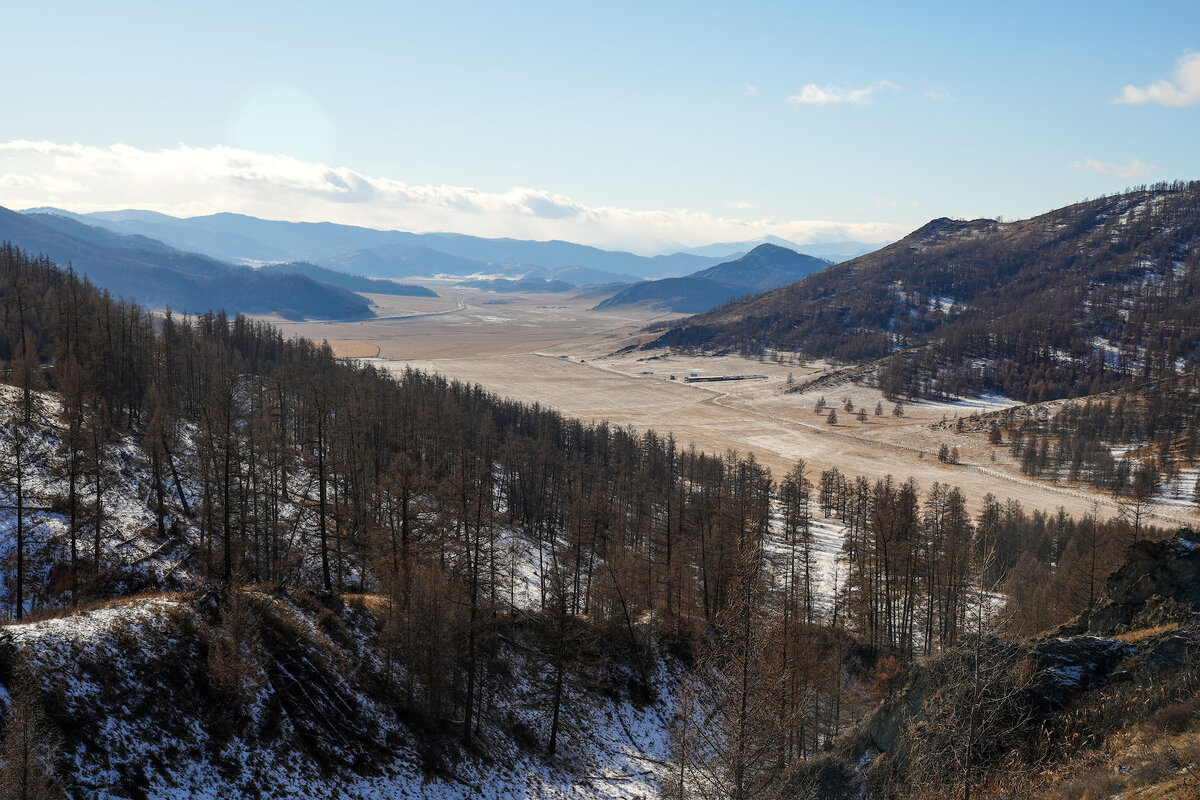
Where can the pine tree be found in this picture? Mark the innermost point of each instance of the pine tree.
(29, 749)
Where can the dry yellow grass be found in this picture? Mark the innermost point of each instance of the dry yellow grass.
(42, 613)
(376, 603)
(1133, 637)
(353, 348)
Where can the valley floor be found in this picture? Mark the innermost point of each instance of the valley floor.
(551, 349)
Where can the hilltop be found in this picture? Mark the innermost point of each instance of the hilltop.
(765, 267)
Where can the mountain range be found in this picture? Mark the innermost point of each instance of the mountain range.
(355, 283)
(150, 272)
(124, 251)
(387, 254)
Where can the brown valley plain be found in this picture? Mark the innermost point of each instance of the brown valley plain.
(551, 349)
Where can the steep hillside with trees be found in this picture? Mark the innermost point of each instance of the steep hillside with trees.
(1092, 297)
(1104, 706)
(383, 580)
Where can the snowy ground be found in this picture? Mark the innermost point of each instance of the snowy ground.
(116, 671)
(1181, 491)
(984, 402)
(827, 535)
(525, 565)
(132, 554)
(128, 542)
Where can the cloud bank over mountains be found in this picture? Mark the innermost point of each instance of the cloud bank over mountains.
(190, 181)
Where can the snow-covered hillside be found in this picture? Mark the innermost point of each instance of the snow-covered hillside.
(312, 710)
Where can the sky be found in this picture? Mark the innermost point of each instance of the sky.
(645, 126)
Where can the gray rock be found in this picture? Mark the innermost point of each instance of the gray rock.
(1169, 570)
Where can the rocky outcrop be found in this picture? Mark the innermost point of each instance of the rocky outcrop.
(1158, 580)
(1068, 665)
(1154, 598)
(898, 711)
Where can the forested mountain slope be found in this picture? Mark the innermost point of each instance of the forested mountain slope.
(1093, 296)
(526, 574)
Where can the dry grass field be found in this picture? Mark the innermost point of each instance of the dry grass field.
(551, 349)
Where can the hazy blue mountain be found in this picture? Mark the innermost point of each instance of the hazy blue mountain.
(406, 261)
(157, 276)
(582, 276)
(355, 283)
(767, 266)
(237, 238)
(528, 284)
(728, 251)
(72, 226)
(559, 254)
(834, 252)
(687, 295)
(226, 245)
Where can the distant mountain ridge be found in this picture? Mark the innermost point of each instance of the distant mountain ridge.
(392, 254)
(832, 251)
(765, 267)
(528, 284)
(151, 273)
(354, 283)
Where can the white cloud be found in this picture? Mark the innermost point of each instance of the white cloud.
(811, 94)
(741, 205)
(1182, 92)
(751, 89)
(38, 183)
(937, 94)
(189, 181)
(1136, 168)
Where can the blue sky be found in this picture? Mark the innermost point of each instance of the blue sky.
(625, 124)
